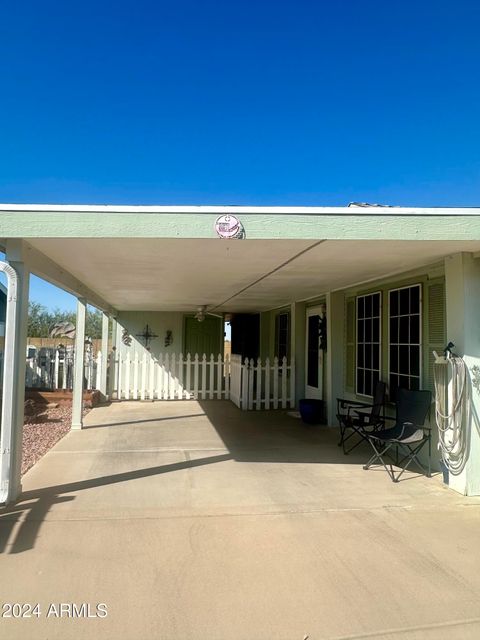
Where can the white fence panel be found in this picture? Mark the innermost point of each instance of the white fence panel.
(51, 369)
(249, 384)
(169, 376)
(254, 385)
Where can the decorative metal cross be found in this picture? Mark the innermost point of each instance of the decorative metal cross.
(147, 335)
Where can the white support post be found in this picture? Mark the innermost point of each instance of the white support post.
(335, 351)
(297, 347)
(112, 370)
(103, 372)
(14, 376)
(77, 401)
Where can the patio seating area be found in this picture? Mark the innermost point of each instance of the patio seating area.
(198, 520)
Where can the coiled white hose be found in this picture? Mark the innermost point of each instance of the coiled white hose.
(452, 422)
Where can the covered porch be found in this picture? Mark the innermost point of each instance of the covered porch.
(196, 519)
(154, 267)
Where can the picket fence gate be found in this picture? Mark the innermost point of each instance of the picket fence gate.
(254, 385)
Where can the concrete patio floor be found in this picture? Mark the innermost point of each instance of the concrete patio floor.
(194, 520)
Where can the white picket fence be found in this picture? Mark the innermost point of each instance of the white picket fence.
(254, 385)
(168, 376)
(249, 384)
(53, 370)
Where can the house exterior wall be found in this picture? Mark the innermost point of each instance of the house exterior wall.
(159, 323)
(462, 274)
(433, 336)
(268, 348)
(265, 332)
(429, 341)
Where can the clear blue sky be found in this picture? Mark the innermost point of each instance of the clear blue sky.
(252, 102)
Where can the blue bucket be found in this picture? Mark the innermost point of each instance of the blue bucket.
(312, 411)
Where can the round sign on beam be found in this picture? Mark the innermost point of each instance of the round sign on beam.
(228, 226)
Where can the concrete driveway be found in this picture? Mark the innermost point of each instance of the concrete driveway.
(194, 520)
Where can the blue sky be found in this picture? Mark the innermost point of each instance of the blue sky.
(240, 102)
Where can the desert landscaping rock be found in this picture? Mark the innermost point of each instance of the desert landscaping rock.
(44, 426)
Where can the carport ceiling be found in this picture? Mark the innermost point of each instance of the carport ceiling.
(232, 276)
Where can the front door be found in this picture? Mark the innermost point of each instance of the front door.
(204, 337)
(314, 355)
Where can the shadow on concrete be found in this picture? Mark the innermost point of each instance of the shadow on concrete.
(22, 521)
(157, 419)
(275, 436)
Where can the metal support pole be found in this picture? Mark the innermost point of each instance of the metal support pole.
(79, 365)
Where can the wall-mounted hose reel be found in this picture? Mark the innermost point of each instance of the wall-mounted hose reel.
(451, 408)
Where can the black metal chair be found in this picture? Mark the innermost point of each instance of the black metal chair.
(360, 418)
(409, 434)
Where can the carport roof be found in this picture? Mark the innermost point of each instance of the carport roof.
(169, 258)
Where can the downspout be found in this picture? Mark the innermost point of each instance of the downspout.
(9, 381)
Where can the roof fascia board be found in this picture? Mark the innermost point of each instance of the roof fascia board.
(329, 224)
(234, 209)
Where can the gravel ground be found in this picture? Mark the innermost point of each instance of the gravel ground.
(39, 437)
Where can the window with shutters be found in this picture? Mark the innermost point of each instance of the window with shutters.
(369, 332)
(405, 338)
(436, 327)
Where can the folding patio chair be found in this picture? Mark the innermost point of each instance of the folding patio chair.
(360, 418)
(409, 434)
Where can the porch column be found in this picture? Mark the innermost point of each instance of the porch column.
(462, 283)
(103, 376)
(298, 347)
(14, 371)
(335, 352)
(79, 368)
